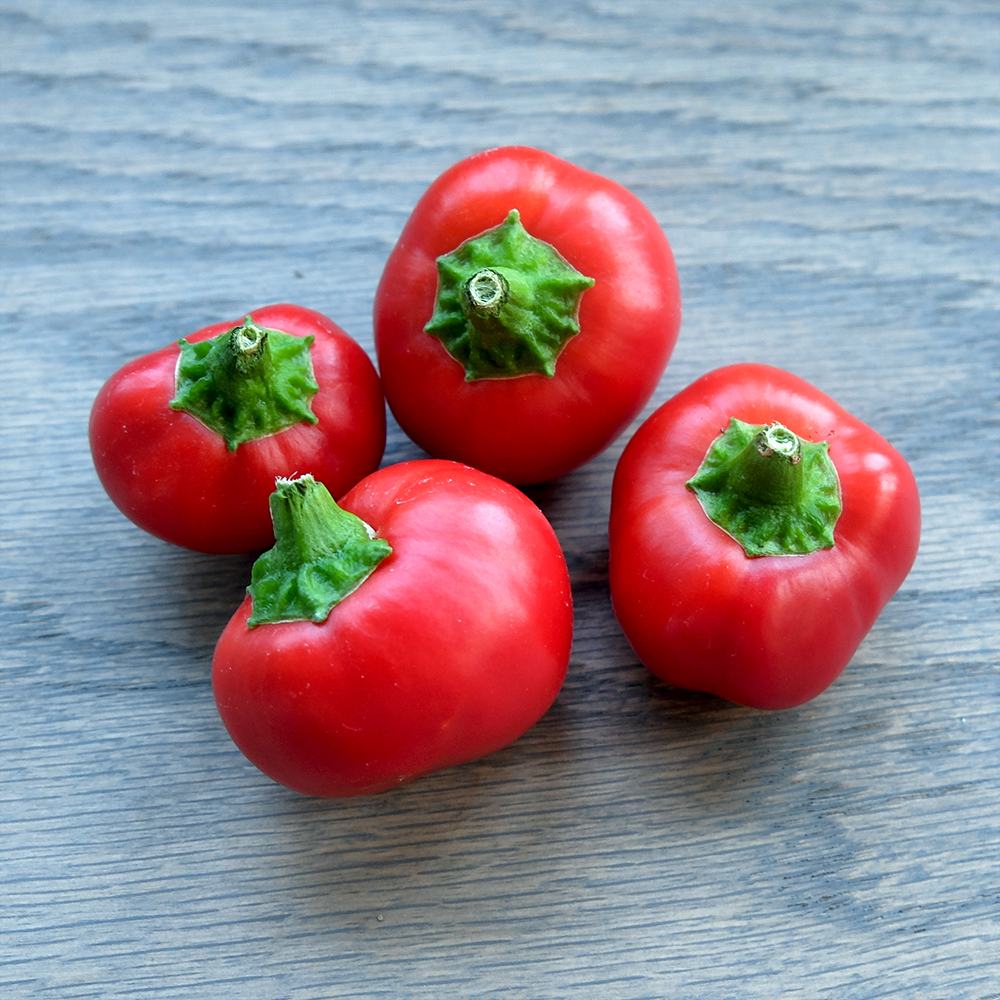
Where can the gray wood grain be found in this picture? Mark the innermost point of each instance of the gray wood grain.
(828, 177)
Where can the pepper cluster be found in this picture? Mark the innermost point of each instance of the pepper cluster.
(424, 618)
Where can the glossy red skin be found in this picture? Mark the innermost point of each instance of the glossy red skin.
(531, 428)
(174, 477)
(454, 647)
(768, 632)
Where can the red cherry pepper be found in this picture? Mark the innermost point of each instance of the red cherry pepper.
(425, 621)
(526, 314)
(188, 440)
(739, 563)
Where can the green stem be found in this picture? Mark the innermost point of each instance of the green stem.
(247, 383)
(485, 293)
(769, 469)
(248, 345)
(774, 492)
(321, 554)
(507, 303)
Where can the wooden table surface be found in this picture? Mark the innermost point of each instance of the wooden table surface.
(828, 177)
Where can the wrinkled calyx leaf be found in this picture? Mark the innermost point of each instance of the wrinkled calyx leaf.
(774, 492)
(507, 303)
(321, 554)
(247, 383)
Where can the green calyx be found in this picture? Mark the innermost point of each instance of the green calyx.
(507, 303)
(775, 493)
(247, 383)
(321, 554)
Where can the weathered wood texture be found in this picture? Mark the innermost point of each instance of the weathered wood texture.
(828, 176)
